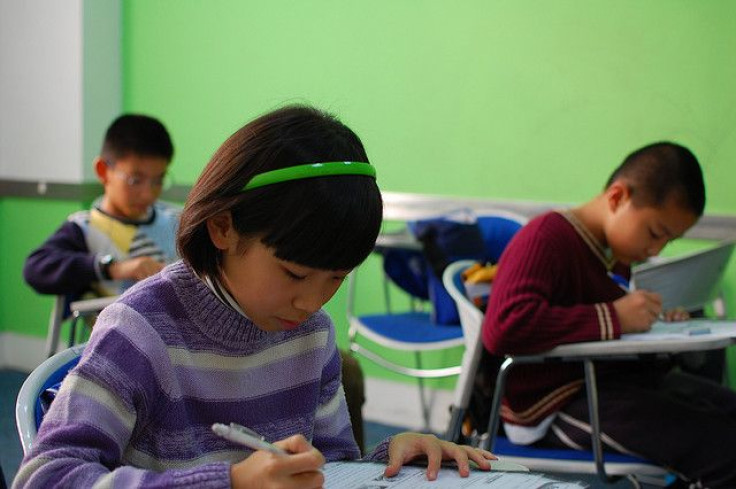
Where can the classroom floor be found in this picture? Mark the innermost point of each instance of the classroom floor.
(11, 451)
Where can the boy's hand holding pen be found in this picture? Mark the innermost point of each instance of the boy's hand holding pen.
(637, 310)
(289, 463)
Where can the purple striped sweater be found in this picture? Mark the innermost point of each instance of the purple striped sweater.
(163, 364)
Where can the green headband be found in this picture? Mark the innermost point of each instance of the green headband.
(311, 170)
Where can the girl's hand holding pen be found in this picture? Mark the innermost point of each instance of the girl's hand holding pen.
(264, 469)
(638, 310)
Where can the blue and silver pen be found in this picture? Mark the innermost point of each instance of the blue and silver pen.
(626, 287)
(620, 281)
(246, 437)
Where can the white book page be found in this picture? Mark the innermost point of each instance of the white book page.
(692, 328)
(369, 475)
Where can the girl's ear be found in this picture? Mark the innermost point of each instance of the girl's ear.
(221, 231)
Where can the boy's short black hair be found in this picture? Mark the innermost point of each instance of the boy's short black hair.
(328, 223)
(138, 135)
(660, 171)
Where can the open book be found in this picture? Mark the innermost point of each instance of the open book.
(690, 281)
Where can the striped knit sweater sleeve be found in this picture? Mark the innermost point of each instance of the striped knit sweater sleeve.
(163, 364)
(552, 288)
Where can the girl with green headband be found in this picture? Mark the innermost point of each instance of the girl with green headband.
(234, 333)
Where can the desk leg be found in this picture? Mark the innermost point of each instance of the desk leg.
(591, 388)
(494, 421)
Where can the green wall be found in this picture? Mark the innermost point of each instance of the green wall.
(519, 100)
(504, 99)
(24, 225)
(523, 100)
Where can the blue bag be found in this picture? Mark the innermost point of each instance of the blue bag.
(446, 239)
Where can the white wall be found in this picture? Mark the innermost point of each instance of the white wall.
(59, 86)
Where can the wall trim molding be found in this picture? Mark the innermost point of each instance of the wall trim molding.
(407, 206)
(86, 191)
(397, 206)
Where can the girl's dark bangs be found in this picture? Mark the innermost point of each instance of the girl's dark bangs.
(335, 230)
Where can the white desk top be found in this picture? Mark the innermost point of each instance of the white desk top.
(620, 348)
(720, 335)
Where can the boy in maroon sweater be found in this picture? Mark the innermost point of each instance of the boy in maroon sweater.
(555, 285)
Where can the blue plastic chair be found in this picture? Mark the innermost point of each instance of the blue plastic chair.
(413, 330)
(37, 392)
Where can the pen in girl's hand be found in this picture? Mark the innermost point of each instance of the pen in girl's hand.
(246, 437)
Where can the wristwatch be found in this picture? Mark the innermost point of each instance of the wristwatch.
(105, 262)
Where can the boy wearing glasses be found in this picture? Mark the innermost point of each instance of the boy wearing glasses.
(127, 235)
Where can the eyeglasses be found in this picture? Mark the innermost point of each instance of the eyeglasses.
(137, 182)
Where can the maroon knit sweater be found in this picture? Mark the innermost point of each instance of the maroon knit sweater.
(552, 288)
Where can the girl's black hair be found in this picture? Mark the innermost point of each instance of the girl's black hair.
(329, 223)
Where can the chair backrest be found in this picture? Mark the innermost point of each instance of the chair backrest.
(460, 235)
(497, 229)
(475, 386)
(471, 317)
(29, 409)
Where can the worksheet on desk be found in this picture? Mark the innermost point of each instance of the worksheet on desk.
(368, 475)
(662, 330)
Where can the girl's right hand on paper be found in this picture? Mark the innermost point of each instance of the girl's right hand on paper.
(407, 446)
(265, 470)
(638, 310)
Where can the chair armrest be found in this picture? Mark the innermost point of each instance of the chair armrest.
(90, 306)
(400, 240)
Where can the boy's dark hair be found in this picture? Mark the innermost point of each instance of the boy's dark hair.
(329, 223)
(139, 135)
(660, 171)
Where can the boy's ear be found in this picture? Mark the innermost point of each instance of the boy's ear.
(617, 194)
(101, 169)
(221, 230)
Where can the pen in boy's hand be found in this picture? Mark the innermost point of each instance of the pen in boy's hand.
(246, 437)
(620, 281)
(626, 287)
